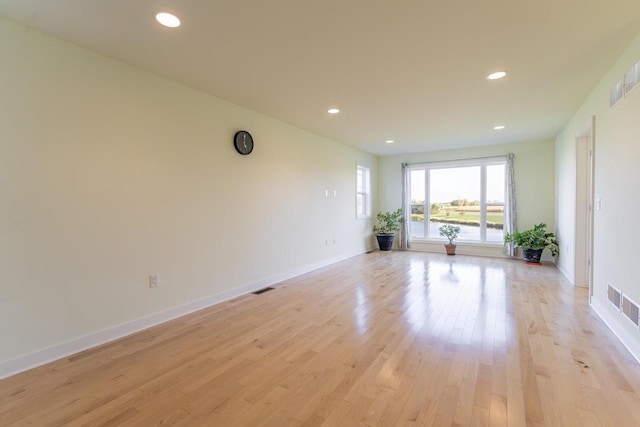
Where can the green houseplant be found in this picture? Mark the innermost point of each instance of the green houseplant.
(450, 232)
(388, 225)
(533, 242)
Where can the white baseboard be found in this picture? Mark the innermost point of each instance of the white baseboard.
(613, 323)
(565, 273)
(38, 358)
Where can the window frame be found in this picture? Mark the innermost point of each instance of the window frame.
(365, 172)
(477, 162)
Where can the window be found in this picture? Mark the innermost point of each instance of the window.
(466, 193)
(363, 192)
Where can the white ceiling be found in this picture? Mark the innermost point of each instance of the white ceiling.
(409, 70)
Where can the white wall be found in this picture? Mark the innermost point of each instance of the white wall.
(534, 175)
(109, 174)
(617, 180)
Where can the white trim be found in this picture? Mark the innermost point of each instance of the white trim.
(625, 338)
(566, 274)
(38, 358)
(587, 130)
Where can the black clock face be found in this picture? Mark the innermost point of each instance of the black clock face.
(243, 141)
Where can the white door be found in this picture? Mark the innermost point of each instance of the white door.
(584, 209)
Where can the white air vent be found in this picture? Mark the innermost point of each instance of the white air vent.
(632, 77)
(616, 93)
(630, 309)
(614, 296)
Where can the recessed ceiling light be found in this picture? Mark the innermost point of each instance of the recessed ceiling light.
(333, 111)
(389, 141)
(499, 127)
(167, 19)
(496, 75)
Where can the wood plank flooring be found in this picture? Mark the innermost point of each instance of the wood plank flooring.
(382, 339)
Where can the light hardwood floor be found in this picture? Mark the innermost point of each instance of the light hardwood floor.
(382, 339)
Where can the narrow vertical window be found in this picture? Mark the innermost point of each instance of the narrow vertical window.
(363, 192)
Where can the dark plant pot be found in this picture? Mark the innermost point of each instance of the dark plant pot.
(385, 241)
(451, 249)
(532, 255)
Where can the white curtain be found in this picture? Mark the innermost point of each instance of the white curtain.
(403, 238)
(510, 223)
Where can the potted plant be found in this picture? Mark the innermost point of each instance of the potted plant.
(450, 232)
(533, 242)
(388, 224)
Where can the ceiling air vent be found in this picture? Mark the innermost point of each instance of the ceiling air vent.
(614, 296)
(632, 77)
(616, 93)
(630, 309)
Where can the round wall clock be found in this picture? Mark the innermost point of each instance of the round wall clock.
(243, 141)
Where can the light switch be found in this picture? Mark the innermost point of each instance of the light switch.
(598, 203)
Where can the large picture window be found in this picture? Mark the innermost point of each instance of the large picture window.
(469, 194)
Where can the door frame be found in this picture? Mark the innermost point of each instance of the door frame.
(585, 168)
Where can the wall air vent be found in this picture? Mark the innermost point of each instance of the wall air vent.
(632, 77)
(616, 93)
(614, 296)
(263, 290)
(630, 309)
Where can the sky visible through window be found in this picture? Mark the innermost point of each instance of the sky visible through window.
(495, 183)
(459, 183)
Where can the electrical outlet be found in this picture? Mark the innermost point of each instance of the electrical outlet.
(154, 281)
(326, 242)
